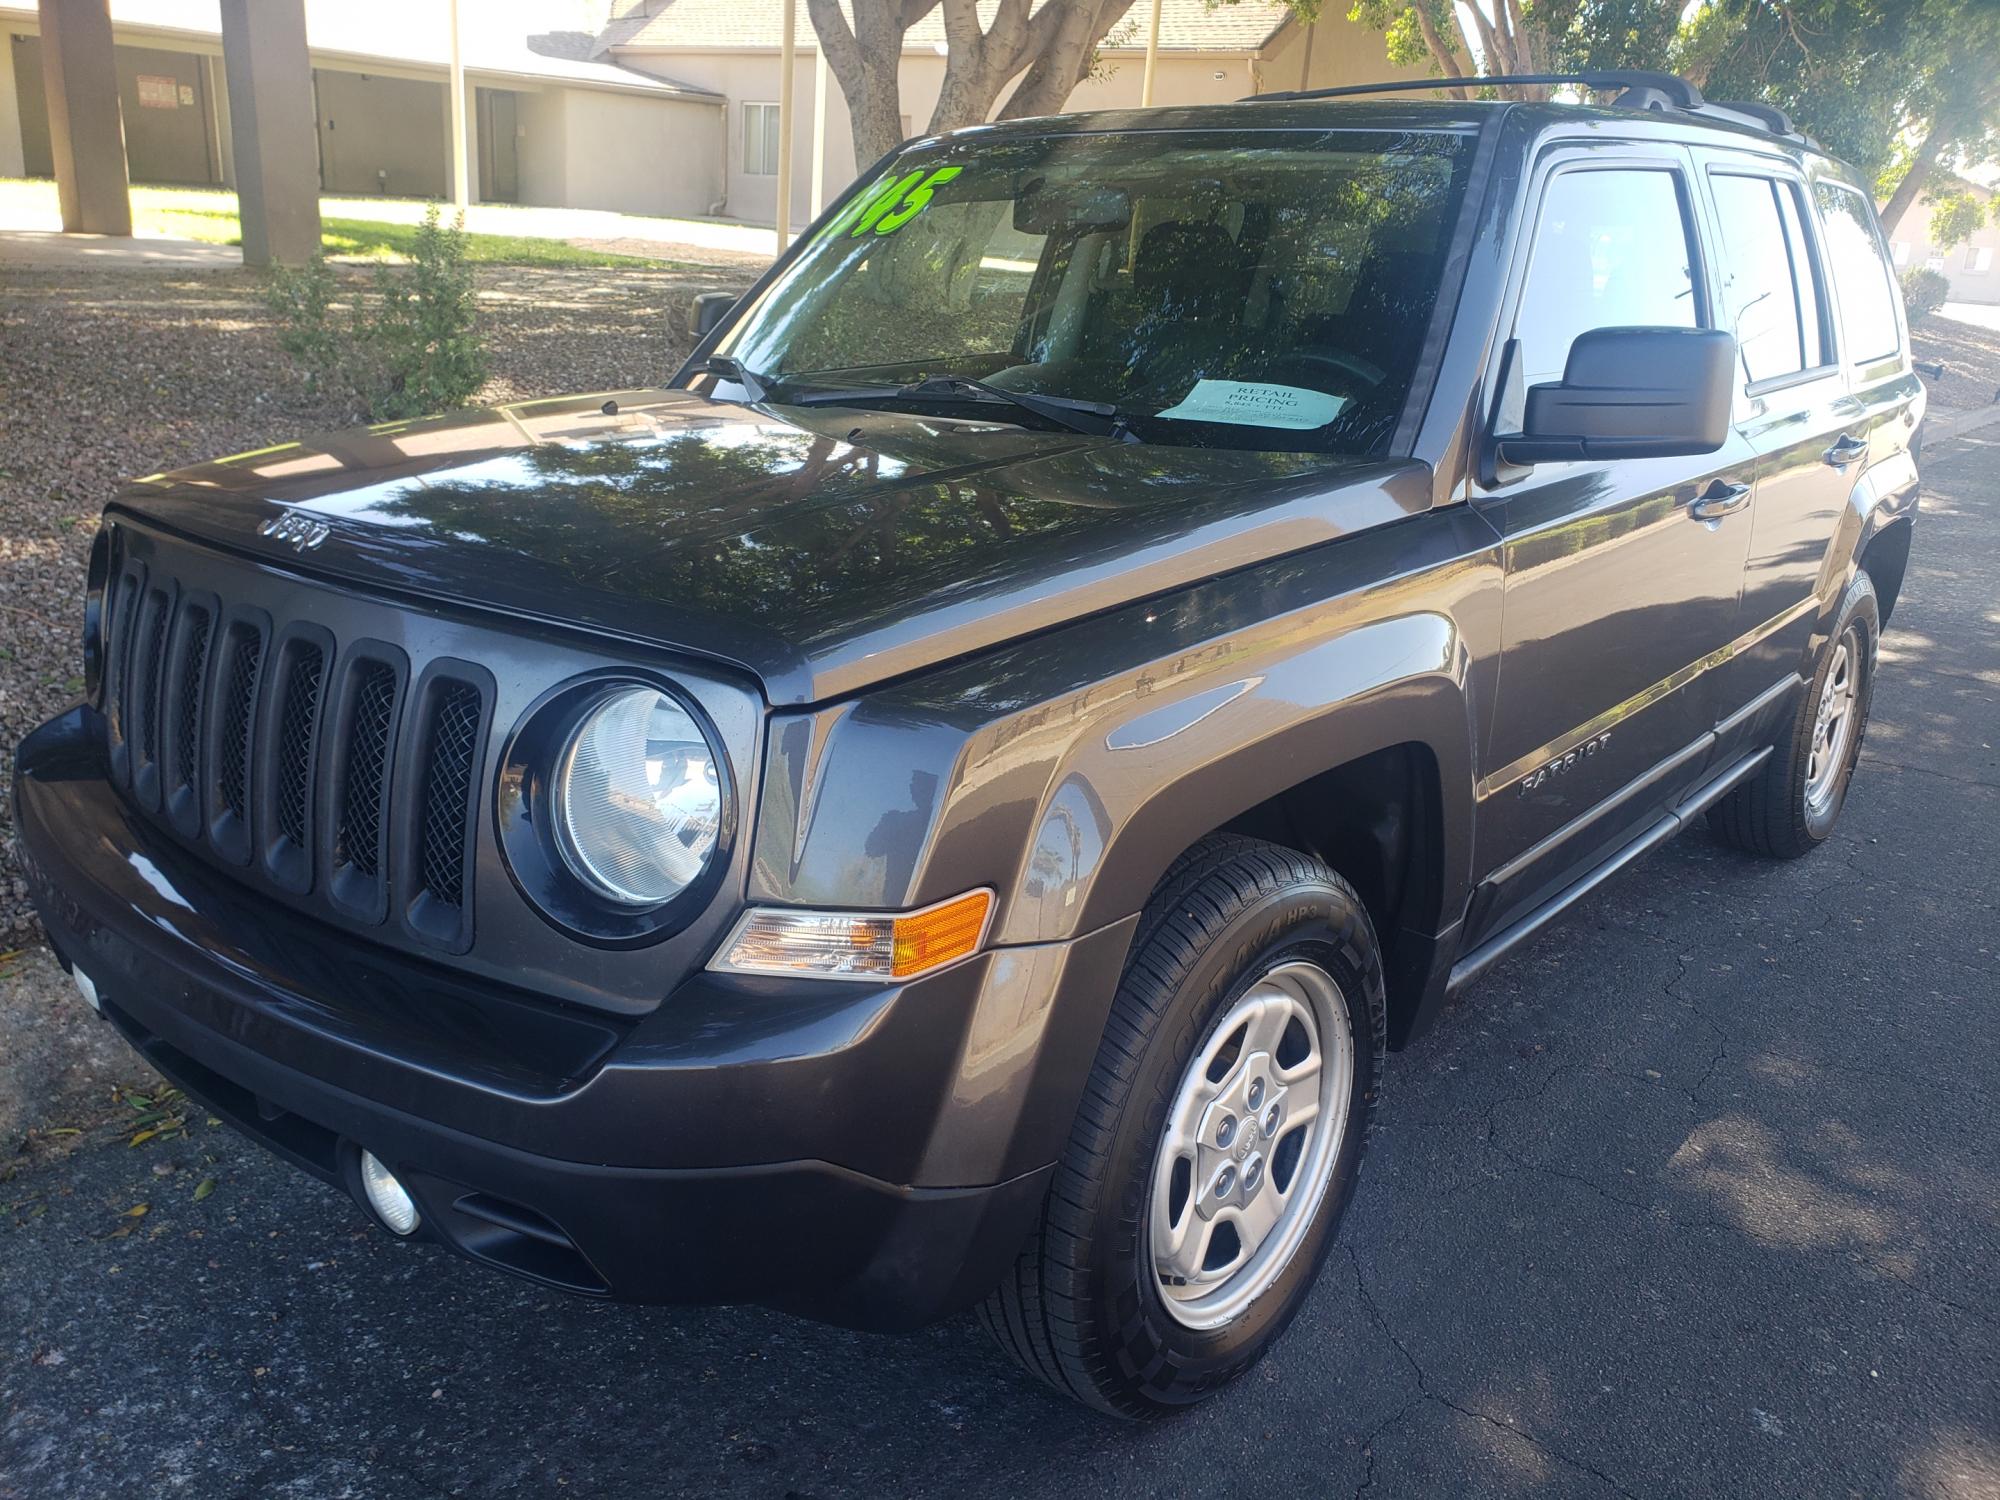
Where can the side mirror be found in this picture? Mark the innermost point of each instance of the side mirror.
(1630, 393)
(707, 311)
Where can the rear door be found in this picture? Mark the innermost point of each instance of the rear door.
(1618, 596)
(1795, 408)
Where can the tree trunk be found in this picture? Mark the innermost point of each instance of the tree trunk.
(1445, 55)
(866, 62)
(1919, 174)
(1054, 43)
(1063, 44)
(978, 61)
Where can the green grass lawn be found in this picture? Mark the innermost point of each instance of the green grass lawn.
(356, 233)
(368, 239)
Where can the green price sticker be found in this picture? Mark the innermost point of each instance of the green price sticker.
(890, 206)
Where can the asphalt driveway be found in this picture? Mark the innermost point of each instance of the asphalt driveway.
(1700, 1195)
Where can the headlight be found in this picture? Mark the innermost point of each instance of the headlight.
(638, 799)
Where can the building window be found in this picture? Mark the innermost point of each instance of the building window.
(760, 140)
(1978, 258)
(1901, 251)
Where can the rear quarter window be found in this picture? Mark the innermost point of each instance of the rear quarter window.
(1862, 281)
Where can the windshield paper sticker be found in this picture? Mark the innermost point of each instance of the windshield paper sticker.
(890, 206)
(1248, 404)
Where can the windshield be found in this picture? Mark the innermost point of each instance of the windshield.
(1261, 289)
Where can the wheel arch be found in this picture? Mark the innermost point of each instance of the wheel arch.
(1885, 558)
(1382, 701)
(1873, 535)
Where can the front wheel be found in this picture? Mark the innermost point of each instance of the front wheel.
(1789, 808)
(1218, 1140)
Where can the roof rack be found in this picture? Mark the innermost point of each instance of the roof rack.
(1637, 89)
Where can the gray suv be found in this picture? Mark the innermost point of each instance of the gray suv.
(949, 803)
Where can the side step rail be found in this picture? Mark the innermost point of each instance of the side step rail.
(1684, 812)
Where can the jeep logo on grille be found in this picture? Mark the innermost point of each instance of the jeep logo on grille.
(303, 532)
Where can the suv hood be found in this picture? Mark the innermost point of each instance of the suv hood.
(821, 549)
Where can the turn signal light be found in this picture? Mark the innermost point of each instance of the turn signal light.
(857, 945)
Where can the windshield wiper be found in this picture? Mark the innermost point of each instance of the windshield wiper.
(730, 368)
(1092, 418)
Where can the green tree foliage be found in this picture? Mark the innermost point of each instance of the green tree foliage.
(1899, 87)
(1883, 83)
(414, 348)
(1955, 218)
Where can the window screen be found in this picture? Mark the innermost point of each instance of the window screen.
(1868, 328)
(1611, 251)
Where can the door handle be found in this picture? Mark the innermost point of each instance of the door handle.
(1724, 497)
(1845, 450)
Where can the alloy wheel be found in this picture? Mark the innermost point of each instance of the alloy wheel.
(1251, 1139)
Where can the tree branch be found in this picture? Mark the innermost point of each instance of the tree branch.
(1445, 55)
(1935, 140)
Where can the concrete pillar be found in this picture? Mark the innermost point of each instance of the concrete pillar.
(86, 129)
(13, 159)
(271, 127)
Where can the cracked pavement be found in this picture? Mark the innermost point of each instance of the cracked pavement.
(1697, 1195)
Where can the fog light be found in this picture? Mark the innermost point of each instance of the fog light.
(388, 1197)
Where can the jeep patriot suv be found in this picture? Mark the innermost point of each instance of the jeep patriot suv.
(948, 802)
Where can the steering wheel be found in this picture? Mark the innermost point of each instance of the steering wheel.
(1327, 359)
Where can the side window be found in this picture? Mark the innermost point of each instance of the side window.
(1611, 251)
(1769, 299)
(1868, 328)
(1809, 277)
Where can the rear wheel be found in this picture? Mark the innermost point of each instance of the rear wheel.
(1790, 807)
(1218, 1140)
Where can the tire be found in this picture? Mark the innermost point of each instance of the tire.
(1789, 808)
(1237, 929)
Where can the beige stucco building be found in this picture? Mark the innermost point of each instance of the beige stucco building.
(665, 107)
(1973, 268)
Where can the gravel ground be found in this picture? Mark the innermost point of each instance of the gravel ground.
(107, 375)
(1971, 357)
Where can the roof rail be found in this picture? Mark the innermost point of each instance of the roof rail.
(1637, 89)
(1672, 91)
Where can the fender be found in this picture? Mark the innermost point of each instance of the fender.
(1885, 494)
(1068, 771)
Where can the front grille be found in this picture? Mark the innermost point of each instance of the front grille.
(195, 622)
(149, 652)
(452, 744)
(298, 718)
(239, 707)
(287, 754)
(358, 837)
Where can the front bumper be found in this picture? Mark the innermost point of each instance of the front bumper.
(870, 1156)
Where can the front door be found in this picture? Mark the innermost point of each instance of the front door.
(1619, 597)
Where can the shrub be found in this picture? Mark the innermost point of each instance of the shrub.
(415, 348)
(1924, 292)
(303, 301)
